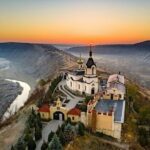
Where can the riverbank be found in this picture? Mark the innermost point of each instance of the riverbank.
(8, 93)
(19, 101)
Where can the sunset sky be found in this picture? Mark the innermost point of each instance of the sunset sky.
(75, 21)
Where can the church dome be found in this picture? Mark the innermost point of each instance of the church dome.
(90, 61)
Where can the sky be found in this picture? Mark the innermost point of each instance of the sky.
(75, 21)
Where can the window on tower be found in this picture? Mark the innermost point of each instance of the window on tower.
(92, 70)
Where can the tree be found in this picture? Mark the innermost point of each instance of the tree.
(88, 98)
(33, 112)
(31, 144)
(31, 121)
(81, 128)
(61, 138)
(58, 130)
(39, 103)
(143, 137)
(44, 146)
(20, 144)
(42, 82)
(68, 133)
(55, 144)
(38, 122)
(12, 147)
(38, 133)
(50, 136)
(26, 137)
(144, 115)
(63, 127)
(68, 120)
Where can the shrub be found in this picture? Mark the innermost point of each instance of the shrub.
(143, 137)
(62, 138)
(81, 128)
(68, 133)
(31, 144)
(42, 82)
(20, 145)
(38, 133)
(88, 98)
(50, 136)
(44, 146)
(55, 144)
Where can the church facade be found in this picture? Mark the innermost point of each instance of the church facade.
(115, 87)
(84, 79)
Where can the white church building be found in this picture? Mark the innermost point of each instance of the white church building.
(115, 87)
(84, 79)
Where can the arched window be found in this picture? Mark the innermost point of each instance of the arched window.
(92, 70)
(71, 84)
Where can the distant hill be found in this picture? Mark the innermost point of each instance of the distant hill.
(30, 62)
(143, 44)
(114, 48)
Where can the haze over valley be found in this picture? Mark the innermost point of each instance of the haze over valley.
(133, 60)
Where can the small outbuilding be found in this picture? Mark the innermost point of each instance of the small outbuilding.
(44, 111)
(74, 114)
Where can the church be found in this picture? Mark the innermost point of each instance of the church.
(84, 80)
(105, 111)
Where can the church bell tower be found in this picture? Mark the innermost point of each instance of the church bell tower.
(80, 62)
(90, 65)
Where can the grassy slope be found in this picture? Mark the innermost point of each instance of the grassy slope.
(133, 106)
(89, 142)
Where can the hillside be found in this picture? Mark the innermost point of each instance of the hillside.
(31, 62)
(90, 142)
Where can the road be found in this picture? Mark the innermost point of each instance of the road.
(48, 127)
(73, 98)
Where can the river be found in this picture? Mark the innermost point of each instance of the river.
(19, 101)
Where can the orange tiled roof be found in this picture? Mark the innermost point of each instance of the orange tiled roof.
(74, 111)
(44, 108)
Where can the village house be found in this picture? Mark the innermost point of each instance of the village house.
(44, 112)
(74, 114)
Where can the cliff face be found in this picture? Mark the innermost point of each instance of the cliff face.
(30, 62)
(6, 98)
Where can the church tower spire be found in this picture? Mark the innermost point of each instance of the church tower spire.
(90, 52)
(80, 62)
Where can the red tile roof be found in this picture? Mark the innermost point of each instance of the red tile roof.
(44, 108)
(74, 111)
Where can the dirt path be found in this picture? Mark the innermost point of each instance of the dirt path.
(48, 127)
(10, 134)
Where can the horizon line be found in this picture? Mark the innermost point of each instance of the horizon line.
(82, 44)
